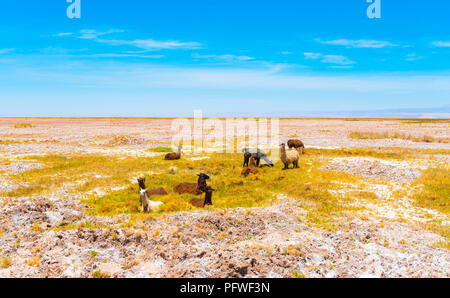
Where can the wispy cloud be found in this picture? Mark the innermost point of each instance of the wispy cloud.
(413, 57)
(62, 34)
(133, 76)
(93, 34)
(225, 58)
(146, 44)
(6, 51)
(361, 43)
(441, 44)
(112, 55)
(330, 59)
(312, 55)
(153, 45)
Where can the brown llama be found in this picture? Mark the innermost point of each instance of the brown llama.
(251, 169)
(298, 145)
(193, 188)
(174, 155)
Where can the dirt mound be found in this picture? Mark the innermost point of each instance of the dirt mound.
(375, 169)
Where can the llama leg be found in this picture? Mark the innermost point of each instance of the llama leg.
(246, 161)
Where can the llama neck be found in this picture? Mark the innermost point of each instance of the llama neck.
(201, 185)
(142, 189)
(179, 150)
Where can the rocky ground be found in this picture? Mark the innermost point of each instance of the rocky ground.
(374, 168)
(386, 238)
(260, 242)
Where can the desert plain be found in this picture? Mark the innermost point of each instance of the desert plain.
(371, 199)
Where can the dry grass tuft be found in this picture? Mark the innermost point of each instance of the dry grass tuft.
(34, 262)
(5, 263)
(23, 125)
(99, 274)
(390, 135)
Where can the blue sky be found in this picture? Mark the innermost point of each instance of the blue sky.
(228, 58)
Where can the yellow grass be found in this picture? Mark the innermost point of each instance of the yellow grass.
(435, 192)
(5, 263)
(23, 125)
(308, 184)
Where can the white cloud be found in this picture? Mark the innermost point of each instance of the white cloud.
(361, 43)
(93, 34)
(330, 59)
(226, 58)
(62, 34)
(121, 75)
(337, 59)
(146, 44)
(441, 44)
(112, 55)
(153, 45)
(313, 55)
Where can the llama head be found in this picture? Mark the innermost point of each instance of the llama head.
(141, 182)
(203, 176)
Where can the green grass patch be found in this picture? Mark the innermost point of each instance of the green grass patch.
(308, 184)
(161, 149)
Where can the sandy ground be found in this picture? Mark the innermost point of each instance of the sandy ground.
(387, 239)
(80, 135)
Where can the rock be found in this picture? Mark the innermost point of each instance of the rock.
(54, 217)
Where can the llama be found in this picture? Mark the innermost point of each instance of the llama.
(193, 188)
(297, 144)
(145, 194)
(251, 169)
(173, 155)
(258, 154)
(288, 157)
(207, 201)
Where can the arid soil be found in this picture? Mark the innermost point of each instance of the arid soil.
(386, 238)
